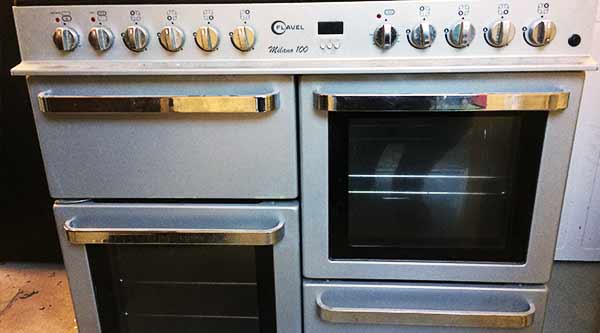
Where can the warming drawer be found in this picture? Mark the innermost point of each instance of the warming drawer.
(352, 307)
(167, 136)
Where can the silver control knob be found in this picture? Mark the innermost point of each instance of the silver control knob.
(135, 38)
(100, 38)
(422, 36)
(243, 38)
(65, 39)
(540, 33)
(171, 38)
(385, 36)
(461, 34)
(207, 38)
(500, 33)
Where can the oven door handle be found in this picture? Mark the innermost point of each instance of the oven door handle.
(424, 317)
(538, 101)
(98, 233)
(259, 103)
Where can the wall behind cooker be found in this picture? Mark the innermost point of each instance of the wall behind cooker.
(574, 299)
(27, 231)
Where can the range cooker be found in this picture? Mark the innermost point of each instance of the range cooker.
(374, 166)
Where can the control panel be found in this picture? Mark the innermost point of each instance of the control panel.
(321, 32)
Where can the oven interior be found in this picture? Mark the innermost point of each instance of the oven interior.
(184, 288)
(437, 186)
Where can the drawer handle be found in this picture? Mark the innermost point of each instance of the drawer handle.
(269, 235)
(418, 317)
(549, 101)
(158, 104)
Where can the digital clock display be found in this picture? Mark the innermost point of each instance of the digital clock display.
(331, 28)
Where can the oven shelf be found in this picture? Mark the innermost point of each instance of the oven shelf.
(426, 193)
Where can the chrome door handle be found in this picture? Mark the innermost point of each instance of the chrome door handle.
(417, 317)
(158, 104)
(101, 233)
(540, 101)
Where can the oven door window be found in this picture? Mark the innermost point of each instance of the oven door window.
(454, 186)
(183, 288)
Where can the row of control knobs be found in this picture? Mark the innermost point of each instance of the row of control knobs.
(136, 38)
(498, 34)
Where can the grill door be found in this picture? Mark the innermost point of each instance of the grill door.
(166, 137)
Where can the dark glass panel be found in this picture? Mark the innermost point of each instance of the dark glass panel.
(433, 186)
(159, 288)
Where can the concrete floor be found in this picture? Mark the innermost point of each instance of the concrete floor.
(574, 299)
(35, 298)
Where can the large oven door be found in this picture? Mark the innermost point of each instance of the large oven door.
(456, 177)
(165, 137)
(182, 267)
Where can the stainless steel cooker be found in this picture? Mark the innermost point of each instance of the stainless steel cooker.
(426, 144)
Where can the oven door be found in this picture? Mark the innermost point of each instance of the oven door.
(435, 177)
(182, 267)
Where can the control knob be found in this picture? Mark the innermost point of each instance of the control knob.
(461, 34)
(385, 36)
(135, 38)
(500, 33)
(171, 38)
(207, 38)
(243, 38)
(540, 33)
(100, 38)
(65, 39)
(422, 36)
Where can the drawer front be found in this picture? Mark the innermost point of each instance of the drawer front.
(348, 307)
(167, 137)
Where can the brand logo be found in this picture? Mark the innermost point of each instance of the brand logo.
(280, 27)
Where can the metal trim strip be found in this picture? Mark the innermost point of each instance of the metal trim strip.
(158, 104)
(247, 237)
(542, 101)
(424, 317)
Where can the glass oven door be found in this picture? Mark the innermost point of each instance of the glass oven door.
(149, 267)
(437, 186)
(434, 177)
(179, 288)
(434, 186)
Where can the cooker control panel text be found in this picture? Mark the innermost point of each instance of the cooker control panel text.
(314, 36)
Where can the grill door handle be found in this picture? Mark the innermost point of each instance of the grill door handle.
(251, 236)
(158, 104)
(417, 317)
(539, 101)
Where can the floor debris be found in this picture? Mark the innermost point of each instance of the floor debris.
(34, 299)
